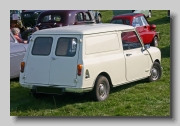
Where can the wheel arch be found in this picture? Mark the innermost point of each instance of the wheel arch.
(105, 74)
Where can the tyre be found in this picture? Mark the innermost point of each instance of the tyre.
(156, 72)
(101, 89)
(155, 41)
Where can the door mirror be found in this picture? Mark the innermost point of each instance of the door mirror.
(147, 46)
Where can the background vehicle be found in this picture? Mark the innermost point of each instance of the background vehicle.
(29, 17)
(59, 18)
(147, 13)
(147, 32)
(17, 52)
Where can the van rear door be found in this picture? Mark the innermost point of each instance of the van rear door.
(63, 70)
(39, 60)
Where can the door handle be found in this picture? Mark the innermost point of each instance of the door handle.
(128, 54)
(53, 58)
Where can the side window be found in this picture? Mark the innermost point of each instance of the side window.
(46, 18)
(80, 16)
(66, 47)
(11, 38)
(51, 18)
(87, 17)
(130, 40)
(42, 46)
(127, 22)
(137, 22)
(144, 21)
(117, 22)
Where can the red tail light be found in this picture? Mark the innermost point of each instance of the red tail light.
(79, 69)
(22, 66)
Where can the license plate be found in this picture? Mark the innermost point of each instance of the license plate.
(49, 90)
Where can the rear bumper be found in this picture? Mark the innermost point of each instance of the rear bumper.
(63, 89)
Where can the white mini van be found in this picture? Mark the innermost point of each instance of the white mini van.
(83, 58)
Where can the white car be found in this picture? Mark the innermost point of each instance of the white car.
(87, 58)
(17, 52)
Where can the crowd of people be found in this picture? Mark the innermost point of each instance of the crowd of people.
(16, 32)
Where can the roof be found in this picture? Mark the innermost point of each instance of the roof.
(28, 11)
(62, 11)
(85, 29)
(128, 15)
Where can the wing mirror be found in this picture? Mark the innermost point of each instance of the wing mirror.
(147, 46)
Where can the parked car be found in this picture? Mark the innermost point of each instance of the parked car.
(147, 13)
(146, 31)
(17, 52)
(87, 58)
(59, 18)
(29, 17)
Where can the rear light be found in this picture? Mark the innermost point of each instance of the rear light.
(79, 69)
(22, 66)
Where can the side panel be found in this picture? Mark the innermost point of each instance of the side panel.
(17, 52)
(112, 62)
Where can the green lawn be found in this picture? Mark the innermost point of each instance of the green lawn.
(139, 98)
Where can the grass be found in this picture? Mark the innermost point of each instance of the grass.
(135, 99)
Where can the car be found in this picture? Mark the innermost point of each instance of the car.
(147, 13)
(29, 17)
(59, 18)
(17, 52)
(147, 32)
(87, 58)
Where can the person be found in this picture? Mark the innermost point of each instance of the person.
(16, 33)
(12, 25)
(33, 30)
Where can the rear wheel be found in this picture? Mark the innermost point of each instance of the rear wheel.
(155, 41)
(156, 72)
(101, 89)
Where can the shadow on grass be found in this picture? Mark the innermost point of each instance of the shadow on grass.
(14, 79)
(26, 102)
(163, 20)
(129, 85)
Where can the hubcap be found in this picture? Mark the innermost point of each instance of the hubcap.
(154, 73)
(156, 42)
(102, 90)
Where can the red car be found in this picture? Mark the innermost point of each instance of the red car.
(147, 32)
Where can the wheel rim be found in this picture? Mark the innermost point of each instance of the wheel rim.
(102, 90)
(154, 73)
(156, 42)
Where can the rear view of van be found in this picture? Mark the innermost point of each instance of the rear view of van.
(86, 58)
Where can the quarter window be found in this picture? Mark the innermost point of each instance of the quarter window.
(66, 47)
(144, 21)
(137, 22)
(42, 46)
(130, 40)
